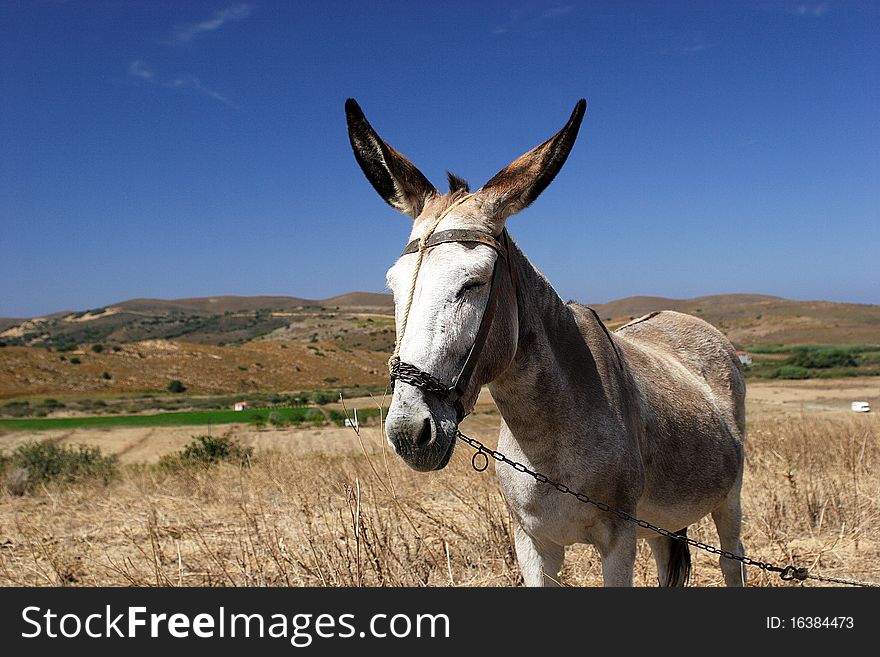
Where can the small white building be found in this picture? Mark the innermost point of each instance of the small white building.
(745, 358)
(241, 406)
(861, 407)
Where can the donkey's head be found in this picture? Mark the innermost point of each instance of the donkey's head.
(455, 285)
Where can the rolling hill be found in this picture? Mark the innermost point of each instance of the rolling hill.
(747, 319)
(208, 320)
(751, 319)
(245, 344)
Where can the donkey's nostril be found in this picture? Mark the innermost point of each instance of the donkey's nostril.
(425, 434)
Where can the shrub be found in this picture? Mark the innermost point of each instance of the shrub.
(321, 397)
(314, 415)
(34, 463)
(106, 376)
(207, 451)
(175, 385)
(823, 357)
(792, 372)
(337, 417)
(75, 360)
(17, 408)
(277, 420)
(97, 348)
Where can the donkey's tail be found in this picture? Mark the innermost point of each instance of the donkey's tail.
(678, 571)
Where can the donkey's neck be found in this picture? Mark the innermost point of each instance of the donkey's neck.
(566, 372)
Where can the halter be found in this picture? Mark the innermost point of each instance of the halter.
(411, 374)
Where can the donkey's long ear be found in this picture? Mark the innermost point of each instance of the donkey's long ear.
(519, 183)
(396, 179)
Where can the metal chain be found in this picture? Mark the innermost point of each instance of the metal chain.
(787, 573)
(416, 377)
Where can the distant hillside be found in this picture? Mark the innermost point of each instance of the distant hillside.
(208, 320)
(751, 319)
(362, 320)
(360, 299)
(210, 305)
(9, 322)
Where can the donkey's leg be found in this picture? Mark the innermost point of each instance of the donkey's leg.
(618, 551)
(539, 561)
(673, 560)
(728, 522)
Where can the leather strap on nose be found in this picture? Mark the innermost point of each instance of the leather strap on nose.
(413, 375)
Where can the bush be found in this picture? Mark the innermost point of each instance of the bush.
(17, 409)
(338, 417)
(277, 420)
(175, 385)
(97, 348)
(321, 397)
(34, 463)
(314, 415)
(106, 376)
(823, 357)
(207, 451)
(792, 372)
(75, 360)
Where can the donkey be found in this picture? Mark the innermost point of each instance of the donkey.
(649, 419)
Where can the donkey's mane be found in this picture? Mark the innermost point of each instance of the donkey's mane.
(457, 185)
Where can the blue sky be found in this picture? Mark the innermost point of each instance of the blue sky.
(169, 149)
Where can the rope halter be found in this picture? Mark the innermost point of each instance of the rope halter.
(411, 374)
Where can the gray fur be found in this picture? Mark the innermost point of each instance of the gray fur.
(649, 419)
(657, 433)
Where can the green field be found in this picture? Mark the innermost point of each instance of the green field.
(291, 415)
(780, 361)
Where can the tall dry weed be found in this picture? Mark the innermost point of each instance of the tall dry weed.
(367, 520)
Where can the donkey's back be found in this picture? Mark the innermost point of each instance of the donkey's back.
(690, 394)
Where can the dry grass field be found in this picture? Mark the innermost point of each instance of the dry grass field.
(328, 507)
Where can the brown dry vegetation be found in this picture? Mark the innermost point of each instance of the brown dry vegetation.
(264, 365)
(750, 319)
(335, 509)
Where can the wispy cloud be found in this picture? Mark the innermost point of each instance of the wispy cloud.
(699, 46)
(231, 14)
(142, 71)
(193, 83)
(815, 10)
(523, 18)
(559, 10)
(693, 46)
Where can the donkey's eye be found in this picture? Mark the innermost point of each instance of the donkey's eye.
(467, 287)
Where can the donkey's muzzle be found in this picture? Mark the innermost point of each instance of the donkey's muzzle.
(420, 435)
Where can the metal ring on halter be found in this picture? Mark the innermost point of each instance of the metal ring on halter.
(474, 460)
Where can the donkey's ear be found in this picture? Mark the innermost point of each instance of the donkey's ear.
(396, 179)
(514, 188)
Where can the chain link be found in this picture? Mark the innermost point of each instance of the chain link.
(787, 573)
(414, 376)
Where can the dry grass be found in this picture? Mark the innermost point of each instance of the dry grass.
(367, 520)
